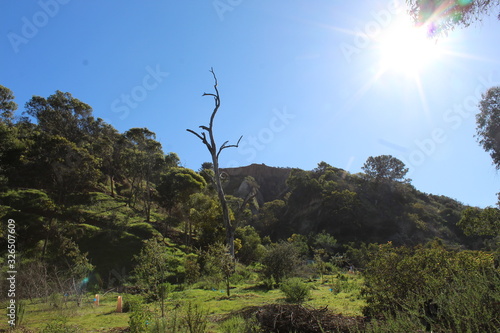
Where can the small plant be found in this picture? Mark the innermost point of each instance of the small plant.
(55, 300)
(131, 302)
(171, 324)
(342, 284)
(59, 326)
(163, 290)
(238, 324)
(295, 290)
(195, 319)
(20, 310)
(140, 318)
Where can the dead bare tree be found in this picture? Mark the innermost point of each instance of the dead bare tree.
(215, 152)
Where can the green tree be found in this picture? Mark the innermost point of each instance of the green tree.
(175, 187)
(385, 167)
(143, 162)
(11, 152)
(220, 264)
(7, 105)
(177, 184)
(269, 216)
(63, 115)
(157, 263)
(204, 217)
(481, 222)
(172, 160)
(442, 16)
(280, 261)
(58, 165)
(488, 124)
(251, 249)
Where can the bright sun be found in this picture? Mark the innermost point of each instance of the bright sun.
(406, 49)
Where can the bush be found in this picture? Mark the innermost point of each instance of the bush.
(280, 261)
(238, 324)
(445, 290)
(59, 326)
(170, 324)
(195, 319)
(132, 302)
(295, 290)
(139, 320)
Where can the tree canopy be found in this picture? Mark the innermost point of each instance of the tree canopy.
(488, 124)
(385, 167)
(7, 104)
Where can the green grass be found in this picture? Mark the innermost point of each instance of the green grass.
(88, 317)
(91, 318)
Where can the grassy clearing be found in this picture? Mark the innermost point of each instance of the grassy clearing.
(345, 299)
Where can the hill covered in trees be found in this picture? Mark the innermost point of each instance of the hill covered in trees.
(352, 207)
(96, 209)
(75, 185)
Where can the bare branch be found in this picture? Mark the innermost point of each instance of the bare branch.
(202, 137)
(225, 145)
(198, 135)
(216, 98)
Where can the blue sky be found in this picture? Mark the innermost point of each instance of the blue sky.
(302, 83)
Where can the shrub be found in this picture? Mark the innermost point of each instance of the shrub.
(139, 320)
(280, 261)
(195, 319)
(220, 265)
(445, 290)
(171, 324)
(131, 302)
(238, 324)
(295, 290)
(59, 326)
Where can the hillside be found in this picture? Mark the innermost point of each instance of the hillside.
(271, 181)
(350, 207)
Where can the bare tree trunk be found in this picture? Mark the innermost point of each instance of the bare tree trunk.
(215, 152)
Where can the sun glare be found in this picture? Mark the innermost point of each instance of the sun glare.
(405, 48)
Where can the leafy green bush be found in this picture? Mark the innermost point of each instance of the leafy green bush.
(140, 318)
(238, 324)
(295, 290)
(59, 326)
(132, 302)
(445, 290)
(280, 261)
(170, 324)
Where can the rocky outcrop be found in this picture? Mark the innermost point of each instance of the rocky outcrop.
(271, 181)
